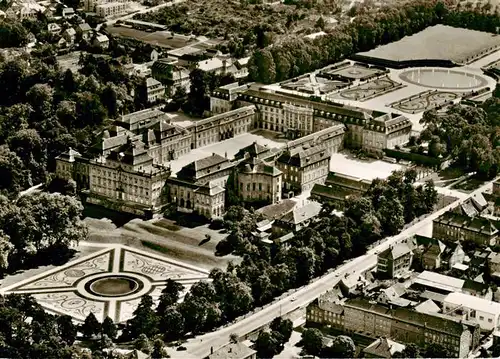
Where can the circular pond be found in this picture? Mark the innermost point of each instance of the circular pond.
(442, 78)
(115, 286)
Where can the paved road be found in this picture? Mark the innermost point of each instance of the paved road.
(200, 347)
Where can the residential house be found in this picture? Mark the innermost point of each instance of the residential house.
(383, 348)
(494, 263)
(453, 254)
(394, 261)
(53, 28)
(452, 226)
(172, 76)
(84, 31)
(68, 12)
(101, 40)
(485, 312)
(155, 90)
(69, 35)
(62, 43)
(233, 351)
(241, 68)
(409, 326)
(429, 250)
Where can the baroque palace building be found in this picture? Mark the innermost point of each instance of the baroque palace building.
(126, 170)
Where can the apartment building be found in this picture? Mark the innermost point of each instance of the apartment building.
(111, 9)
(327, 310)
(408, 326)
(394, 261)
(107, 7)
(455, 226)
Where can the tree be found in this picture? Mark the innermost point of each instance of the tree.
(411, 351)
(40, 98)
(144, 320)
(312, 341)
(66, 329)
(169, 296)
(282, 326)
(391, 214)
(50, 221)
(171, 323)
(30, 148)
(89, 109)
(342, 347)
(266, 345)
(62, 184)
(109, 328)
(13, 175)
(142, 343)
(12, 34)
(159, 351)
(320, 24)
(198, 95)
(90, 326)
(261, 67)
(435, 350)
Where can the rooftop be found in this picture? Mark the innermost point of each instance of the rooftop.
(274, 211)
(476, 303)
(232, 351)
(396, 251)
(302, 214)
(439, 42)
(384, 348)
(440, 281)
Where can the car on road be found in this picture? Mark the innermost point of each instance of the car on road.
(293, 299)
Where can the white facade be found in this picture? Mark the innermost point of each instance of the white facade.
(485, 312)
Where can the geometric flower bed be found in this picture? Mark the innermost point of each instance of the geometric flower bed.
(109, 282)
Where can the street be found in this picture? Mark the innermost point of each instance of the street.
(200, 347)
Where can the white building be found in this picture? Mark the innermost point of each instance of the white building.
(155, 90)
(111, 9)
(485, 312)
